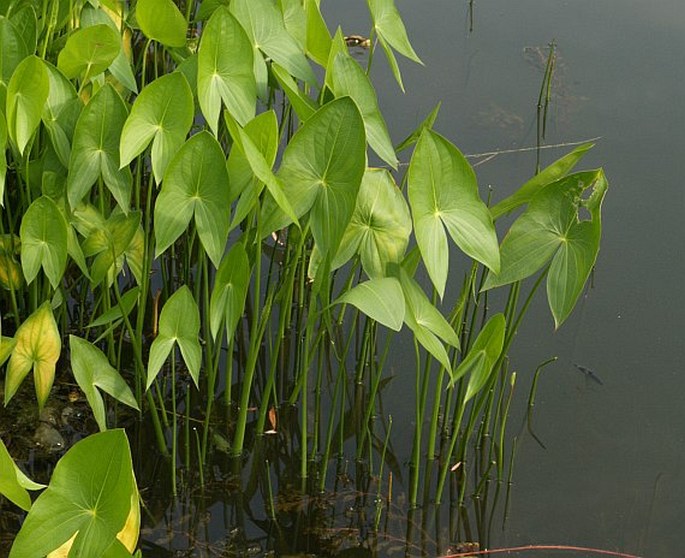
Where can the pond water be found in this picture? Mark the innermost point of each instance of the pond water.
(611, 475)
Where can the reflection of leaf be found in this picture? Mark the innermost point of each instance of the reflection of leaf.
(38, 347)
(551, 228)
(91, 498)
(380, 299)
(179, 323)
(443, 193)
(92, 370)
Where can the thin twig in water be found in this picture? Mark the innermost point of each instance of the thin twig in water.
(488, 155)
(534, 547)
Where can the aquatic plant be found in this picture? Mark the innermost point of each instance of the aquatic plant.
(194, 181)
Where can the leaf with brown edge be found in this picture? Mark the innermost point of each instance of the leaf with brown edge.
(37, 347)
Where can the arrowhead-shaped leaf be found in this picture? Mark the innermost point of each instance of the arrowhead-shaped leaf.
(195, 184)
(13, 483)
(89, 51)
(162, 21)
(163, 114)
(91, 498)
(27, 92)
(552, 228)
(230, 290)
(95, 149)
(179, 322)
(321, 170)
(224, 71)
(264, 25)
(380, 299)
(38, 347)
(43, 234)
(479, 362)
(92, 370)
(443, 193)
(348, 78)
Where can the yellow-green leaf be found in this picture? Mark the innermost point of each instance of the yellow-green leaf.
(38, 347)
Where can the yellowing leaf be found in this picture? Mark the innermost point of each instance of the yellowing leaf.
(37, 347)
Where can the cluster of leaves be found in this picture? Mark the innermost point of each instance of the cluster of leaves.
(139, 139)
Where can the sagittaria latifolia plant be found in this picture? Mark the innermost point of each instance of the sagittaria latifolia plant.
(192, 180)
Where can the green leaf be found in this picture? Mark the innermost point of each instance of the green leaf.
(88, 52)
(25, 22)
(162, 21)
(7, 345)
(224, 72)
(427, 123)
(260, 167)
(92, 494)
(3, 158)
(295, 20)
(27, 92)
(95, 149)
(349, 79)
(552, 228)
(13, 49)
(426, 316)
(13, 485)
(392, 34)
(264, 25)
(120, 68)
(482, 357)
(37, 347)
(304, 106)
(321, 170)
(108, 242)
(443, 193)
(179, 323)
(92, 370)
(380, 225)
(60, 113)
(263, 131)
(162, 113)
(195, 184)
(553, 172)
(128, 301)
(380, 299)
(318, 36)
(230, 290)
(43, 234)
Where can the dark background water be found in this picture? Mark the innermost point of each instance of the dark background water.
(612, 474)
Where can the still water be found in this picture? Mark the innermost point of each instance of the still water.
(612, 474)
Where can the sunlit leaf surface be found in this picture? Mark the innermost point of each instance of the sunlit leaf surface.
(38, 347)
(91, 497)
(179, 323)
(443, 194)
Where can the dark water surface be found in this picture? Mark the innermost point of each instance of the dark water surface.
(612, 475)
